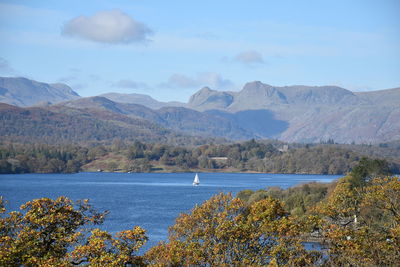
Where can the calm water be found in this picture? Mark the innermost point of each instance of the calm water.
(151, 200)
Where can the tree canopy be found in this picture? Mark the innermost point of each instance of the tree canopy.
(61, 233)
(224, 232)
(358, 224)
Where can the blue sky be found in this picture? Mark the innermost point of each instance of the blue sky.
(171, 49)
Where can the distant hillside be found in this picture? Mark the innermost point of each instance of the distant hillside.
(178, 119)
(308, 113)
(140, 99)
(257, 95)
(23, 92)
(68, 125)
(388, 97)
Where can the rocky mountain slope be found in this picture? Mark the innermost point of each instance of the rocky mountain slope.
(179, 119)
(289, 113)
(23, 92)
(311, 113)
(141, 99)
(257, 95)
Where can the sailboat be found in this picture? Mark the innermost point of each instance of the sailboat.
(196, 180)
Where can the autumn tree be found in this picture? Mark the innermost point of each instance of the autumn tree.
(374, 238)
(224, 232)
(54, 233)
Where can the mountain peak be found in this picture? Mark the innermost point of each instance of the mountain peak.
(205, 91)
(140, 99)
(65, 88)
(260, 94)
(24, 92)
(207, 98)
(255, 84)
(200, 95)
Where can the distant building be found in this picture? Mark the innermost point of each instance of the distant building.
(219, 158)
(285, 148)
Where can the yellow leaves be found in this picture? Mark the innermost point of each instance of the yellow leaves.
(95, 246)
(273, 263)
(103, 249)
(130, 241)
(50, 228)
(371, 239)
(357, 245)
(267, 209)
(224, 232)
(384, 193)
(137, 233)
(343, 202)
(2, 208)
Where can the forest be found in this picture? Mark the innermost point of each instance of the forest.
(355, 219)
(249, 156)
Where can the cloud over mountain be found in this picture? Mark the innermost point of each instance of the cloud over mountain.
(5, 66)
(181, 80)
(110, 26)
(249, 57)
(126, 83)
(211, 79)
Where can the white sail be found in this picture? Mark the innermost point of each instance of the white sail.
(196, 180)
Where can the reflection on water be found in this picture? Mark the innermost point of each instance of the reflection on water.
(151, 200)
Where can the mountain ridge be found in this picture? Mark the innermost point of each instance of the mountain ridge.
(256, 95)
(24, 92)
(315, 113)
(179, 119)
(142, 99)
(296, 113)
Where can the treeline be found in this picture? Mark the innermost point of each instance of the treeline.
(18, 158)
(151, 157)
(246, 156)
(356, 220)
(300, 200)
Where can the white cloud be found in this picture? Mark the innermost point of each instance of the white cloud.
(210, 79)
(5, 66)
(180, 80)
(249, 57)
(68, 79)
(79, 86)
(215, 80)
(112, 26)
(130, 84)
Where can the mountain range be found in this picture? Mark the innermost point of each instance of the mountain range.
(313, 113)
(23, 92)
(290, 113)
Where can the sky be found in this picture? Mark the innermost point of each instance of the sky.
(171, 49)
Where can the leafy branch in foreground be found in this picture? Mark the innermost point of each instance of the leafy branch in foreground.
(55, 233)
(363, 229)
(224, 232)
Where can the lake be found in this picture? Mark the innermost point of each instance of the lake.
(150, 200)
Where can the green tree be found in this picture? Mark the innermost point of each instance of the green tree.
(366, 169)
(5, 166)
